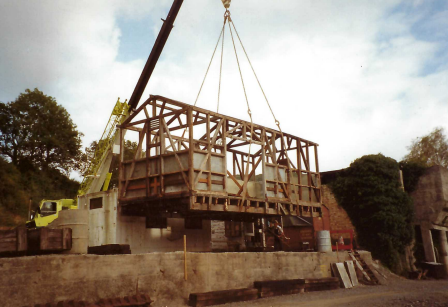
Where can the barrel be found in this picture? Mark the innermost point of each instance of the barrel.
(78, 221)
(323, 241)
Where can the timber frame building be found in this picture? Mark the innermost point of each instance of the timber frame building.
(193, 162)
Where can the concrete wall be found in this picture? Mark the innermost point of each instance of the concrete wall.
(43, 279)
(431, 197)
(108, 226)
(431, 213)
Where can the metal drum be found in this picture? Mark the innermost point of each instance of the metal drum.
(78, 221)
(323, 241)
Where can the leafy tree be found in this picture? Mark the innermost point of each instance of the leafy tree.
(130, 148)
(369, 190)
(12, 194)
(85, 158)
(37, 132)
(429, 150)
(412, 170)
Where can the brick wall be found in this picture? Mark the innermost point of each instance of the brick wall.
(339, 219)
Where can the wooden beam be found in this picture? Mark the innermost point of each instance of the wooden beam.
(250, 176)
(208, 154)
(175, 153)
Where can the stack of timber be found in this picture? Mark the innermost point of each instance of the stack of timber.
(141, 300)
(341, 273)
(222, 297)
(294, 286)
(22, 241)
(110, 249)
(361, 265)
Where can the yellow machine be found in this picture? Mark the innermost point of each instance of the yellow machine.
(97, 175)
(48, 211)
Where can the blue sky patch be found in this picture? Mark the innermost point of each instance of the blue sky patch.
(137, 38)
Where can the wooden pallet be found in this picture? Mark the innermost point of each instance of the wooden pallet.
(222, 297)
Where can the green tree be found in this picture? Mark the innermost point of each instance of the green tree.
(412, 170)
(130, 148)
(13, 199)
(369, 190)
(37, 132)
(429, 150)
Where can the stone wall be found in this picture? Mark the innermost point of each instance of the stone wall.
(339, 219)
(25, 281)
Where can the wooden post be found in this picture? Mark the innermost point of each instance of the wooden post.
(29, 209)
(185, 257)
(337, 250)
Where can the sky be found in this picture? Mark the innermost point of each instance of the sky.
(356, 77)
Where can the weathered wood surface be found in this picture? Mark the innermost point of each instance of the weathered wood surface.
(184, 151)
(351, 272)
(222, 297)
(294, 286)
(12, 241)
(141, 300)
(110, 249)
(341, 273)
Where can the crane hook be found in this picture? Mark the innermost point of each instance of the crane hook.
(226, 3)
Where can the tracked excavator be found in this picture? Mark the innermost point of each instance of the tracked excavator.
(98, 176)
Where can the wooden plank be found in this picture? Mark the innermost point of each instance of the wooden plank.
(110, 249)
(222, 297)
(359, 267)
(341, 273)
(222, 293)
(22, 239)
(278, 292)
(351, 272)
(175, 154)
(235, 120)
(8, 241)
(208, 154)
(249, 177)
(234, 180)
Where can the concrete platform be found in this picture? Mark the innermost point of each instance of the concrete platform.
(43, 279)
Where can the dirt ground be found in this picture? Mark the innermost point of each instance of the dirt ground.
(397, 293)
(394, 291)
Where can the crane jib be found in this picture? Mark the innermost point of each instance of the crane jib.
(155, 54)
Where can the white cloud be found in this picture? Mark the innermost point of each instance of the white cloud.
(345, 75)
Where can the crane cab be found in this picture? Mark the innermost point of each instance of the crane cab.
(48, 211)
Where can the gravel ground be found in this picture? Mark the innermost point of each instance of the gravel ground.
(394, 291)
(397, 293)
